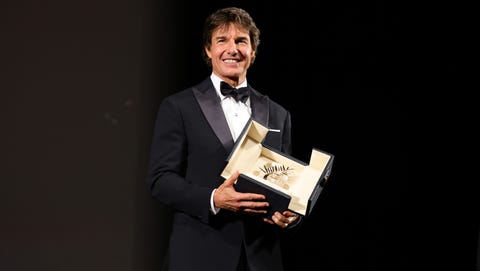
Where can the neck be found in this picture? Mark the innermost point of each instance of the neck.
(232, 81)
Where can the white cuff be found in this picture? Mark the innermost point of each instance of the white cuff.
(212, 204)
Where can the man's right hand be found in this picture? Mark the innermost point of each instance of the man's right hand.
(226, 197)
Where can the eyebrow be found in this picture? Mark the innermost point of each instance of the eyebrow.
(240, 38)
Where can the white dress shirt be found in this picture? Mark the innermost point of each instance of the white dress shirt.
(237, 114)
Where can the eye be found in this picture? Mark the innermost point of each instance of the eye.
(242, 41)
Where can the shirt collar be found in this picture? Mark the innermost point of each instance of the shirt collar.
(216, 84)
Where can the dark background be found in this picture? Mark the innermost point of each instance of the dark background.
(81, 82)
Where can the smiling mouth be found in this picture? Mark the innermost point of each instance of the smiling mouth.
(231, 61)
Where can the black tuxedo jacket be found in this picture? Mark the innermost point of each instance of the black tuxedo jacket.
(190, 146)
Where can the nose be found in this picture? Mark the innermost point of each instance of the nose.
(232, 47)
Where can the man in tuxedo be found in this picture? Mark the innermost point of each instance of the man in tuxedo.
(214, 226)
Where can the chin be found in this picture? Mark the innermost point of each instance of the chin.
(235, 74)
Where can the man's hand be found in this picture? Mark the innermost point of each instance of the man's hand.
(225, 197)
(284, 219)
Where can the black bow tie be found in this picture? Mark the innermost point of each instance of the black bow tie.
(239, 94)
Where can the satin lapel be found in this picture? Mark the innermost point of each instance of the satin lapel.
(212, 109)
(260, 109)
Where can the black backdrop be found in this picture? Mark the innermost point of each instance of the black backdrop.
(81, 81)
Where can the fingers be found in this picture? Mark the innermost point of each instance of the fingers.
(281, 220)
(254, 211)
(254, 203)
(268, 221)
(285, 219)
(232, 179)
(226, 197)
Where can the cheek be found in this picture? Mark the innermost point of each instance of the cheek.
(250, 53)
(216, 52)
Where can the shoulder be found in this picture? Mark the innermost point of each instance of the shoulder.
(272, 104)
(275, 105)
(187, 94)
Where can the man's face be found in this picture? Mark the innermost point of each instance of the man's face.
(231, 53)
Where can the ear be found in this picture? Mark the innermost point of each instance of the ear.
(253, 56)
(207, 51)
